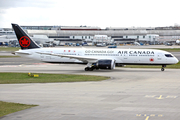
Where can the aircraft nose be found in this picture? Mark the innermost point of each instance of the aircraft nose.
(176, 60)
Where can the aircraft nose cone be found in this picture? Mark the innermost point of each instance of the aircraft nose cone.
(176, 60)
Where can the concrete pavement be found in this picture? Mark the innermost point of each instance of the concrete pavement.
(131, 94)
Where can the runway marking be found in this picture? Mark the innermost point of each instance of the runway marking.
(147, 118)
(171, 97)
(148, 115)
(160, 97)
(138, 114)
(150, 96)
(152, 115)
(160, 115)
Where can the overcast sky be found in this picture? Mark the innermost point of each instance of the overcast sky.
(101, 13)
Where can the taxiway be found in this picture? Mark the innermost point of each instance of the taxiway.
(130, 94)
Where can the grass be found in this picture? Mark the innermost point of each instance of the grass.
(8, 56)
(13, 78)
(175, 66)
(9, 48)
(7, 107)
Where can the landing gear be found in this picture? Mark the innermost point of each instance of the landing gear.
(88, 68)
(91, 69)
(163, 66)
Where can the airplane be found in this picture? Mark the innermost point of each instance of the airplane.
(94, 58)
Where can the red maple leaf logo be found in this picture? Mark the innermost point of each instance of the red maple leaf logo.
(151, 59)
(24, 41)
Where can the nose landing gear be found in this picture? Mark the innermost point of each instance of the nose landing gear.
(163, 66)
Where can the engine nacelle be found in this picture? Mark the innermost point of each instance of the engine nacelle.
(106, 64)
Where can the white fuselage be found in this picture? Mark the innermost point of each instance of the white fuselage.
(122, 56)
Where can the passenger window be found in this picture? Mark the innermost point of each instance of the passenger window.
(168, 55)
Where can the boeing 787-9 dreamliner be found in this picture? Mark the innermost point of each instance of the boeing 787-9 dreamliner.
(94, 58)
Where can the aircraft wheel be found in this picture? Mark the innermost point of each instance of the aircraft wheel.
(86, 69)
(91, 69)
(162, 69)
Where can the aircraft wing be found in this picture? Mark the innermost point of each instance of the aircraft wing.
(81, 58)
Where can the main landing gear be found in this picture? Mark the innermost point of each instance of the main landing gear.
(90, 68)
(163, 66)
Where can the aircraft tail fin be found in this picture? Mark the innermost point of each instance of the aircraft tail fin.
(24, 40)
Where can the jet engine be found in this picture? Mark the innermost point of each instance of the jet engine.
(105, 64)
(102, 64)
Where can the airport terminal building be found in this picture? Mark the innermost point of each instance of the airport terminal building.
(85, 34)
(117, 35)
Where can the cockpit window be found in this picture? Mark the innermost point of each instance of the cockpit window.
(168, 55)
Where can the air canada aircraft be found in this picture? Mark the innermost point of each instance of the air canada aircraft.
(94, 58)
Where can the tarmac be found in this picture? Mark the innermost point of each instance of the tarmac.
(129, 94)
